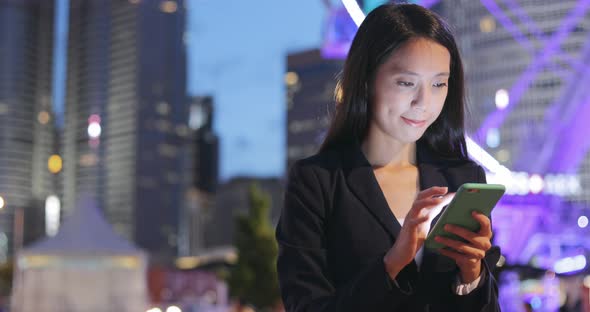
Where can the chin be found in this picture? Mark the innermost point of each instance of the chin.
(411, 137)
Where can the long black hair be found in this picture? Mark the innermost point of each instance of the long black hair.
(383, 31)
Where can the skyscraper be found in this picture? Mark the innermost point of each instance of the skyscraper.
(202, 171)
(26, 116)
(311, 81)
(126, 116)
(205, 144)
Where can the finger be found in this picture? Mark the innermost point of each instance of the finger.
(479, 241)
(448, 197)
(463, 248)
(484, 222)
(419, 206)
(433, 191)
(458, 257)
(417, 221)
(427, 203)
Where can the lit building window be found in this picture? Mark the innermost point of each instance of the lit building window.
(173, 308)
(168, 6)
(583, 222)
(291, 79)
(3, 108)
(197, 117)
(186, 38)
(163, 108)
(182, 130)
(54, 164)
(94, 129)
(43, 117)
(536, 184)
(503, 155)
(502, 99)
(88, 160)
(487, 24)
(52, 212)
(493, 138)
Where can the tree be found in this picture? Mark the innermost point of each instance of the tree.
(254, 277)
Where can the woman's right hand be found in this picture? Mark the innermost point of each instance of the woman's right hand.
(414, 230)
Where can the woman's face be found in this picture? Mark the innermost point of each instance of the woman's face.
(410, 90)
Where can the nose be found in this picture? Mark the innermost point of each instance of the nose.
(421, 98)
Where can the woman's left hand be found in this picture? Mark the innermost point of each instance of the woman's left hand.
(468, 255)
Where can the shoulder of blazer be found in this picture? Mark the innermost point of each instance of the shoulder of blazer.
(470, 170)
(328, 160)
(319, 173)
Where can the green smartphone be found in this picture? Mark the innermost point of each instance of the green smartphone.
(470, 197)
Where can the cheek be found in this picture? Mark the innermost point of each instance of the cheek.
(436, 109)
(439, 104)
(392, 104)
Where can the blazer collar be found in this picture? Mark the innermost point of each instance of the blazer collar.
(362, 182)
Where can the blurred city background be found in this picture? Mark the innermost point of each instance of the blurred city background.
(144, 144)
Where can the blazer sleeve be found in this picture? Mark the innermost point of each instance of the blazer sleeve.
(302, 263)
(485, 297)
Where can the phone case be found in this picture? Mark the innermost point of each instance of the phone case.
(470, 197)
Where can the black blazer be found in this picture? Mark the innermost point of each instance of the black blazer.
(336, 227)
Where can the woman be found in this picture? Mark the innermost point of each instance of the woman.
(396, 145)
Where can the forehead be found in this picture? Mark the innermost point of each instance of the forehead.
(421, 56)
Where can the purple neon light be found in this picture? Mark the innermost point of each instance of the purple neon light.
(525, 19)
(528, 23)
(559, 115)
(574, 145)
(517, 91)
(507, 23)
(429, 3)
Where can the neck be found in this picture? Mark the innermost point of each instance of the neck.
(389, 153)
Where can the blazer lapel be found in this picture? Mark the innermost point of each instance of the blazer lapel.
(363, 184)
(430, 173)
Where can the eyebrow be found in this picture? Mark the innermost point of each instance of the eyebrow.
(408, 72)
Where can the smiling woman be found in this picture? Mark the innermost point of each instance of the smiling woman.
(353, 224)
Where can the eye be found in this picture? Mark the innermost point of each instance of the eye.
(440, 85)
(405, 83)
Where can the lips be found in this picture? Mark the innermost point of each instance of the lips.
(414, 122)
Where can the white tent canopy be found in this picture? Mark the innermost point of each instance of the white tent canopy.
(86, 267)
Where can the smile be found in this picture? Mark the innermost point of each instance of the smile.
(415, 123)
